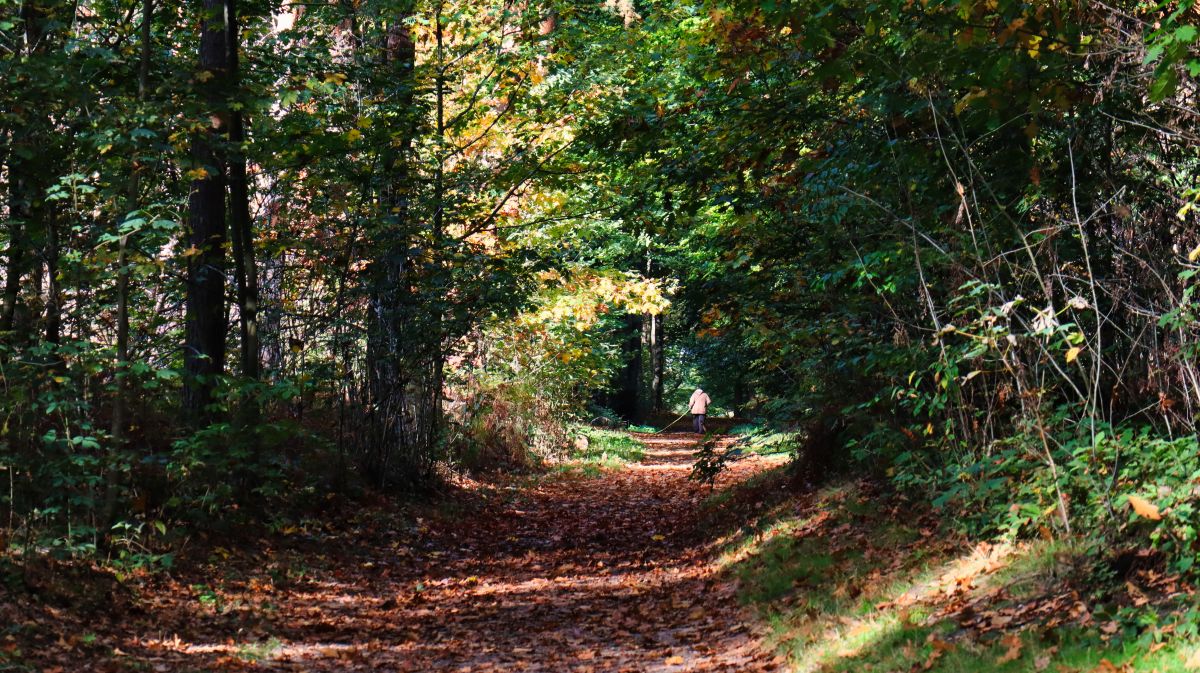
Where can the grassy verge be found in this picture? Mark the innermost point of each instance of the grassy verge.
(849, 579)
(598, 449)
(765, 440)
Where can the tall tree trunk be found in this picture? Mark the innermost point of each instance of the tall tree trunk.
(398, 438)
(657, 360)
(14, 258)
(240, 224)
(627, 400)
(14, 255)
(204, 348)
(436, 358)
(241, 235)
(27, 176)
(112, 476)
(53, 308)
(242, 238)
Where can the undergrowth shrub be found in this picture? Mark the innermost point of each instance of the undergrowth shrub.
(1129, 487)
(506, 423)
(1164, 473)
(1005, 418)
(72, 490)
(535, 373)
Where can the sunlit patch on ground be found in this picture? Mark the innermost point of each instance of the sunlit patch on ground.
(850, 580)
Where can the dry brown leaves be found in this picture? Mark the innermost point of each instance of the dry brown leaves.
(574, 574)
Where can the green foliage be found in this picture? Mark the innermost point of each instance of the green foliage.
(606, 448)
(448, 174)
(711, 460)
(1013, 490)
(136, 548)
(953, 226)
(1164, 472)
(538, 369)
(906, 217)
(765, 439)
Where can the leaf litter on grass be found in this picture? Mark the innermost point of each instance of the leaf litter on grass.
(896, 591)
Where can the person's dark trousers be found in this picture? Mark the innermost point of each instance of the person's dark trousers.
(698, 423)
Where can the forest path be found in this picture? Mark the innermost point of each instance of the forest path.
(569, 573)
(588, 574)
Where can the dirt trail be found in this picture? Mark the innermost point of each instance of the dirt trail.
(575, 573)
(591, 575)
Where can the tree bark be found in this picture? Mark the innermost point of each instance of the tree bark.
(204, 349)
(53, 309)
(14, 255)
(112, 478)
(628, 397)
(14, 259)
(402, 373)
(240, 225)
(27, 180)
(657, 360)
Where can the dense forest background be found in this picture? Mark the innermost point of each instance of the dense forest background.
(256, 253)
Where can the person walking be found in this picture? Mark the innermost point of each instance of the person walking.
(698, 406)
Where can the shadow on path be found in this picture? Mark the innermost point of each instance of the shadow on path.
(573, 574)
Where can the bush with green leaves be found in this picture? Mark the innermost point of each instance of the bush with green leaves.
(536, 372)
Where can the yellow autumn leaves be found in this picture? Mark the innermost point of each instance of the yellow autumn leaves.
(585, 296)
(559, 339)
(1144, 508)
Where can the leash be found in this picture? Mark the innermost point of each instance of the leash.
(656, 432)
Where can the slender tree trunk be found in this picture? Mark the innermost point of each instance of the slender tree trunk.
(26, 173)
(245, 270)
(439, 181)
(241, 232)
(395, 380)
(240, 224)
(112, 476)
(657, 360)
(120, 399)
(741, 392)
(14, 259)
(627, 401)
(14, 256)
(204, 349)
(433, 390)
(53, 309)
(146, 46)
